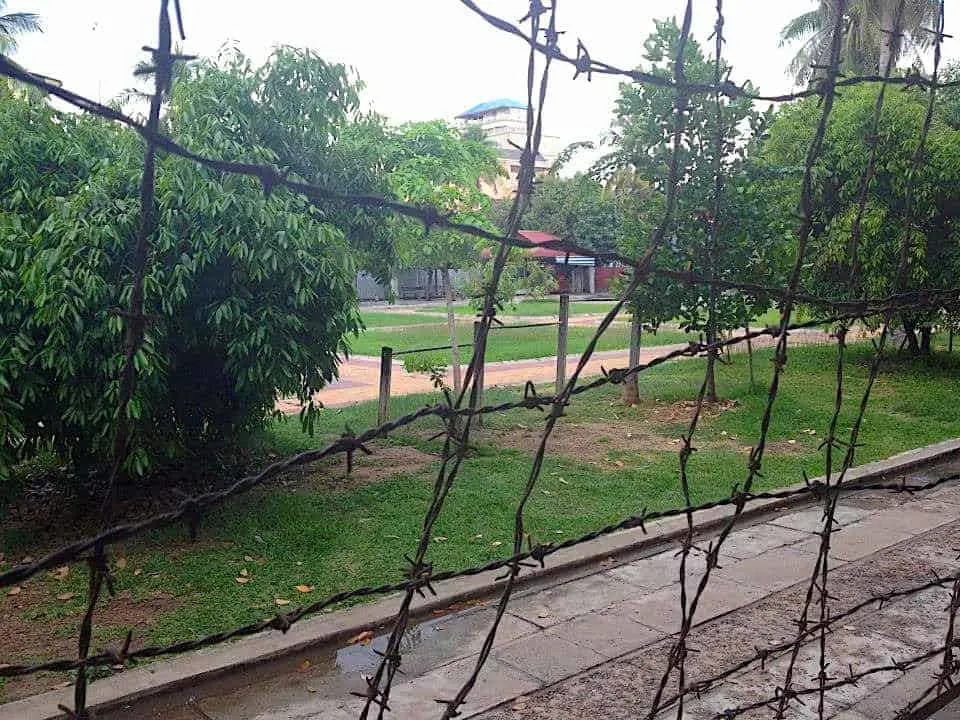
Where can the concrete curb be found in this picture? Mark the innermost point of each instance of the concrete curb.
(207, 665)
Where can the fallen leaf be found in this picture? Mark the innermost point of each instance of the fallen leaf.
(61, 572)
(517, 707)
(496, 543)
(138, 571)
(258, 538)
(281, 601)
(478, 536)
(791, 442)
(27, 559)
(304, 588)
(313, 688)
(618, 463)
(66, 596)
(392, 537)
(244, 573)
(361, 638)
(304, 665)
(565, 482)
(629, 435)
(543, 614)
(120, 563)
(299, 562)
(242, 580)
(547, 492)
(248, 558)
(723, 432)
(559, 532)
(15, 590)
(440, 538)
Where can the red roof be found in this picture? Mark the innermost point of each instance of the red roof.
(539, 238)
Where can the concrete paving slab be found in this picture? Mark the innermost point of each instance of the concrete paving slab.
(757, 539)
(811, 520)
(610, 632)
(774, 569)
(658, 571)
(920, 620)
(563, 602)
(416, 700)
(547, 657)
(884, 702)
(661, 609)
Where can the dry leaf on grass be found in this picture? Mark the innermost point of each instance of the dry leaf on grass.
(66, 596)
(138, 571)
(361, 638)
(248, 558)
(61, 572)
(304, 588)
(440, 538)
(120, 563)
(244, 573)
(281, 601)
(242, 580)
(304, 665)
(496, 543)
(15, 590)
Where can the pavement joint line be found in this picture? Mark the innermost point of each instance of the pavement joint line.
(327, 630)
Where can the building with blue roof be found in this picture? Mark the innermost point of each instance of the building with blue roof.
(504, 123)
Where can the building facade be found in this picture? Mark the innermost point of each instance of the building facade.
(504, 123)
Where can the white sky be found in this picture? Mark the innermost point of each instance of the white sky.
(420, 59)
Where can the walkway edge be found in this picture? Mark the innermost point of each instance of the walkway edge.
(189, 671)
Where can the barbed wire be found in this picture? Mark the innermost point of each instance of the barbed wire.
(458, 413)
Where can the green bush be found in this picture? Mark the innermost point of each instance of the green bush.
(250, 295)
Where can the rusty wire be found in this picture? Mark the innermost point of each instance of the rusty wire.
(459, 413)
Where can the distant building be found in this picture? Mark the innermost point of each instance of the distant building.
(504, 123)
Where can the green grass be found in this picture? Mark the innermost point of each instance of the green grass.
(334, 539)
(547, 306)
(505, 344)
(374, 319)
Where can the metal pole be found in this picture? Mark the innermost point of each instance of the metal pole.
(562, 341)
(386, 368)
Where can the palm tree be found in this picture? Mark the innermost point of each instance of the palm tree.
(868, 43)
(13, 24)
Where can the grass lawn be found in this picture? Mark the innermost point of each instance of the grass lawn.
(329, 533)
(547, 306)
(375, 319)
(505, 344)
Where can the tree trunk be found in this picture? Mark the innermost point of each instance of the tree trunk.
(452, 328)
(910, 329)
(925, 332)
(711, 394)
(889, 42)
(630, 389)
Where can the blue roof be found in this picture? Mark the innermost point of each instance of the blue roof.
(492, 105)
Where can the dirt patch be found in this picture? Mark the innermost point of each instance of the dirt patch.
(580, 440)
(34, 631)
(683, 411)
(386, 461)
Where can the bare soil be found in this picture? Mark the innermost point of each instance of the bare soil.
(387, 461)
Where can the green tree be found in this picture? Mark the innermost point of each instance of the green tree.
(433, 164)
(302, 114)
(927, 226)
(720, 247)
(868, 42)
(14, 24)
(948, 102)
(250, 295)
(574, 209)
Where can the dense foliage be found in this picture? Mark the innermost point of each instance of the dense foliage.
(250, 295)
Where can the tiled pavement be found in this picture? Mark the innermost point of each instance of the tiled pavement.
(594, 647)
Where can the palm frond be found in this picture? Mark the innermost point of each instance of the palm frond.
(801, 26)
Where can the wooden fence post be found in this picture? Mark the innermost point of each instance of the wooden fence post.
(746, 330)
(562, 341)
(478, 371)
(386, 368)
(950, 341)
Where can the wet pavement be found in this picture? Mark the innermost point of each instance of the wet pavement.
(595, 646)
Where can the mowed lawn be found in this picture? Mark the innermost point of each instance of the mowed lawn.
(504, 343)
(326, 532)
(544, 307)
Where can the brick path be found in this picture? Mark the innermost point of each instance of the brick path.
(359, 375)
(594, 646)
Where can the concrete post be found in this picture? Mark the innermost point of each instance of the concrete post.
(562, 341)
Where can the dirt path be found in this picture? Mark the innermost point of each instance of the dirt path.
(359, 376)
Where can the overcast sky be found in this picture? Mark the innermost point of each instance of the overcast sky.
(420, 59)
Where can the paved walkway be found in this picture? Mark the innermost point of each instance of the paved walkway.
(360, 375)
(594, 646)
